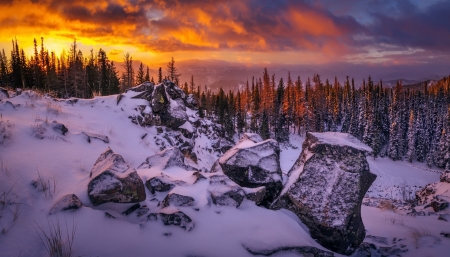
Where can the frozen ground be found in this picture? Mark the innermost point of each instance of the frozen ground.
(35, 150)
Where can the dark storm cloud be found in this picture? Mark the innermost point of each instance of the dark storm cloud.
(410, 26)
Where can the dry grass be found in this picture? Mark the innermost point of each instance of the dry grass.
(5, 131)
(96, 93)
(417, 233)
(38, 130)
(56, 243)
(45, 185)
(53, 107)
(386, 205)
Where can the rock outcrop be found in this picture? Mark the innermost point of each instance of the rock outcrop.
(326, 187)
(434, 195)
(113, 180)
(254, 163)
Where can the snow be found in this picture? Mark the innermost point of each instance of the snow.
(342, 139)
(66, 161)
(187, 126)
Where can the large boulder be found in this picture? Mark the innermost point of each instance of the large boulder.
(113, 180)
(435, 195)
(253, 163)
(326, 187)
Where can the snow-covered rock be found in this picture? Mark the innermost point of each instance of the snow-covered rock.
(177, 200)
(435, 195)
(113, 180)
(224, 191)
(170, 157)
(162, 184)
(65, 203)
(256, 195)
(89, 136)
(253, 163)
(171, 216)
(191, 102)
(445, 176)
(326, 187)
(59, 127)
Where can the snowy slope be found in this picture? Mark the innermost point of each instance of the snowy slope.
(66, 161)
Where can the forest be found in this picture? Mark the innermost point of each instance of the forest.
(401, 123)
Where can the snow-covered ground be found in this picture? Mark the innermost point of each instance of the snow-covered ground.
(35, 151)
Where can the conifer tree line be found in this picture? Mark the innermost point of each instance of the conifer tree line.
(71, 74)
(397, 122)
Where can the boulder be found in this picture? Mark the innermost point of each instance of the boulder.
(191, 102)
(255, 138)
(162, 184)
(90, 136)
(59, 127)
(170, 216)
(326, 187)
(254, 164)
(256, 195)
(225, 192)
(159, 99)
(435, 195)
(222, 145)
(445, 176)
(3, 93)
(173, 90)
(177, 200)
(144, 87)
(133, 208)
(170, 157)
(68, 202)
(113, 180)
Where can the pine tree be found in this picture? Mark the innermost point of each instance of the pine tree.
(140, 77)
(160, 75)
(172, 71)
(410, 155)
(147, 75)
(240, 115)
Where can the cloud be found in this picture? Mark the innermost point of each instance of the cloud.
(375, 29)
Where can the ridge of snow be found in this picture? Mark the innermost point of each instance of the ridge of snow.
(341, 139)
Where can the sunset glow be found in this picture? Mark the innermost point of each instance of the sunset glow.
(285, 32)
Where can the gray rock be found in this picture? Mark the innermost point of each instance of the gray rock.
(176, 218)
(445, 176)
(256, 195)
(306, 251)
(3, 93)
(144, 87)
(177, 200)
(61, 128)
(133, 208)
(326, 187)
(113, 180)
(253, 165)
(439, 205)
(159, 99)
(161, 184)
(68, 202)
(225, 192)
(170, 157)
(90, 136)
(191, 102)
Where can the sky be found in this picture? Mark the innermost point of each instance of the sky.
(378, 35)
